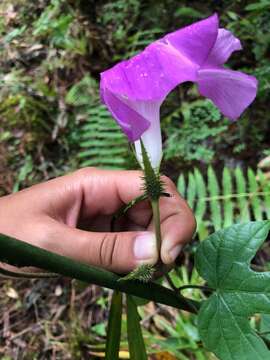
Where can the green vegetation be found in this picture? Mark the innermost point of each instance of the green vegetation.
(52, 122)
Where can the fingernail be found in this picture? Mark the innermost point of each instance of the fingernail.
(145, 246)
(174, 252)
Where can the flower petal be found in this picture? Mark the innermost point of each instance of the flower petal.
(152, 136)
(132, 123)
(225, 45)
(195, 41)
(151, 75)
(231, 91)
(164, 64)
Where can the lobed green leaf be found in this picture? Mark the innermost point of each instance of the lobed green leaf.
(223, 260)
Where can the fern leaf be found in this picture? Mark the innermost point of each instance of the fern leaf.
(227, 204)
(242, 201)
(215, 208)
(227, 192)
(265, 186)
(191, 191)
(181, 185)
(101, 140)
(82, 93)
(254, 199)
(202, 193)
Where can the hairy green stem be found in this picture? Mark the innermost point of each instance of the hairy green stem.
(19, 253)
(156, 219)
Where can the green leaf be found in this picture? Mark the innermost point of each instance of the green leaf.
(265, 185)
(181, 185)
(242, 201)
(114, 327)
(191, 192)
(14, 33)
(254, 199)
(227, 191)
(135, 339)
(265, 326)
(213, 189)
(201, 204)
(223, 260)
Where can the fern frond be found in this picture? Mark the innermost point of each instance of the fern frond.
(241, 188)
(238, 196)
(254, 199)
(101, 140)
(215, 207)
(228, 203)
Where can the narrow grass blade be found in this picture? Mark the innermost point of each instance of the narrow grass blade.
(114, 327)
(136, 344)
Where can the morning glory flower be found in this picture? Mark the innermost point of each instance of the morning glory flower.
(134, 90)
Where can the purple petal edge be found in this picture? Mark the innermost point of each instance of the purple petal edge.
(226, 43)
(131, 122)
(231, 91)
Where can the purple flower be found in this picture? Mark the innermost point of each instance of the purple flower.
(134, 90)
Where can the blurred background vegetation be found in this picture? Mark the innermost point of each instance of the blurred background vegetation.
(52, 122)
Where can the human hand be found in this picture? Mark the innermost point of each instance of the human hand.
(71, 216)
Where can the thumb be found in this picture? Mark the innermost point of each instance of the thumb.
(120, 252)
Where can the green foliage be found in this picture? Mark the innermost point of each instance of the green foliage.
(140, 40)
(194, 137)
(223, 261)
(120, 16)
(25, 171)
(101, 140)
(135, 339)
(237, 197)
(114, 327)
(103, 143)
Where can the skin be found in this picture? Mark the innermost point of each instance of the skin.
(71, 215)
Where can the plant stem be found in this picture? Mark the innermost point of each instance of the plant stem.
(156, 219)
(20, 253)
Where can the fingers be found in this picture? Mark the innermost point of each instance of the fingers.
(177, 223)
(105, 191)
(92, 193)
(119, 252)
